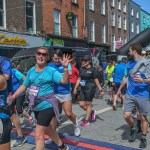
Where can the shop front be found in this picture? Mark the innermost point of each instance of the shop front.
(11, 43)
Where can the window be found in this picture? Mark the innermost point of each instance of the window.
(137, 28)
(103, 33)
(124, 40)
(74, 1)
(74, 27)
(137, 15)
(124, 8)
(119, 21)
(2, 14)
(30, 17)
(132, 27)
(57, 22)
(144, 19)
(119, 4)
(124, 24)
(119, 38)
(112, 3)
(113, 19)
(132, 12)
(103, 7)
(92, 31)
(91, 4)
(113, 42)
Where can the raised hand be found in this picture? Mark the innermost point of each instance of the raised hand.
(66, 60)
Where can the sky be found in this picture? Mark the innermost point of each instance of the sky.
(145, 4)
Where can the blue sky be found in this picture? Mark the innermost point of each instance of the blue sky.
(145, 4)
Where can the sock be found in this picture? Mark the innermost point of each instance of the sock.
(62, 146)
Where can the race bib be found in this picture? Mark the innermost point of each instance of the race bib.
(33, 93)
(82, 82)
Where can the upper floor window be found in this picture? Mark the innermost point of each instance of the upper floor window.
(113, 42)
(57, 22)
(2, 14)
(119, 38)
(119, 21)
(113, 19)
(132, 13)
(144, 19)
(124, 24)
(137, 28)
(92, 31)
(103, 33)
(91, 4)
(137, 15)
(119, 4)
(103, 7)
(74, 1)
(30, 17)
(112, 3)
(74, 27)
(124, 8)
(124, 40)
(132, 27)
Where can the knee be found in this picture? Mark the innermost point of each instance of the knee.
(126, 115)
(39, 136)
(82, 105)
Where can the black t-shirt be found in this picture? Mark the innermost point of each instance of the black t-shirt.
(88, 75)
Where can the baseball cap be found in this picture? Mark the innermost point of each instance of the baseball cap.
(87, 57)
(3, 83)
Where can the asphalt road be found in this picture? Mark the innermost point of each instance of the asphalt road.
(109, 126)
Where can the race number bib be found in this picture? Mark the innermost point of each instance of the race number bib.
(82, 82)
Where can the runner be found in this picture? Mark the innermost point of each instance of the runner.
(5, 73)
(62, 91)
(88, 80)
(40, 80)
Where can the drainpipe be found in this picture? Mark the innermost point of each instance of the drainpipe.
(84, 13)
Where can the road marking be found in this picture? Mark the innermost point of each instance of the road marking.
(81, 117)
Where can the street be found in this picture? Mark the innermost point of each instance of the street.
(109, 127)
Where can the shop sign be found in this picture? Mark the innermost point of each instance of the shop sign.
(119, 44)
(56, 42)
(12, 40)
(70, 16)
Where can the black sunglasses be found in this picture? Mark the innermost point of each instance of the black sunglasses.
(43, 54)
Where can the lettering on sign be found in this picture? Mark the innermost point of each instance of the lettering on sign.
(12, 40)
(56, 42)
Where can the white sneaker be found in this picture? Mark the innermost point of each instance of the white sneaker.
(76, 129)
(49, 141)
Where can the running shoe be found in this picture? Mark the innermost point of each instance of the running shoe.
(32, 122)
(85, 123)
(20, 141)
(114, 107)
(66, 148)
(143, 143)
(132, 135)
(93, 115)
(76, 129)
(49, 141)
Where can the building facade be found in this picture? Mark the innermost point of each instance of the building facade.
(134, 19)
(144, 19)
(118, 23)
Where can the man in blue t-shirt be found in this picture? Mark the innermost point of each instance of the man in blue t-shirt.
(137, 95)
(63, 92)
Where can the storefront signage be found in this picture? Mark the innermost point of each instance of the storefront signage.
(12, 40)
(119, 44)
(56, 42)
(70, 16)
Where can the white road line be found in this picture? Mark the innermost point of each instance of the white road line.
(81, 117)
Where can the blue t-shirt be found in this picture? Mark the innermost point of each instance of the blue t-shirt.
(16, 79)
(136, 89)
(61, 88)
(3, 97)
(45, 81)
(118, 73)
(7, 69)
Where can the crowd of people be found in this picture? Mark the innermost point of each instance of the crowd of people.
(56, 85)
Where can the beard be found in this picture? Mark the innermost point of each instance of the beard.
(130, 57)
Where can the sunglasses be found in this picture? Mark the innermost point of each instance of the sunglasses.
(43, 54)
